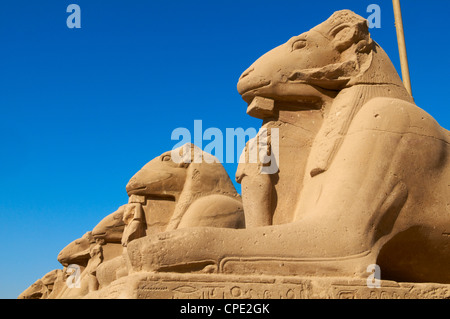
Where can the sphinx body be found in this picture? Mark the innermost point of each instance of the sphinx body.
(363, 172)
(194, 190)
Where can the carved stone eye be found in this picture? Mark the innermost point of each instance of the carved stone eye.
(166, 158)
(299, 44)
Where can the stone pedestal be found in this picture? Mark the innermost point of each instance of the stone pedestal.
(211, 286)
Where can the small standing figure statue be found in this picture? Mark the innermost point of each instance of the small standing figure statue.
(96, 253)
(135, 224)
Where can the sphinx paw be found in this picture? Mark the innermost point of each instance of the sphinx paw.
(180, 250)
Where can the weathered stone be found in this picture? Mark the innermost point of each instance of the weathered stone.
(361, 182)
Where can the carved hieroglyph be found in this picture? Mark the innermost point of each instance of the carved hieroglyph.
(362, 178)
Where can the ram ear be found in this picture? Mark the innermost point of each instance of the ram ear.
(356, 35)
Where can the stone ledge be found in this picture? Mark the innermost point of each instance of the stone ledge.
(214, 286)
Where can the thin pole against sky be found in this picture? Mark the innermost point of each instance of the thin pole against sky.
(402, 45)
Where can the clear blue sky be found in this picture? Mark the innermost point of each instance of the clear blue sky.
(81, 110)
